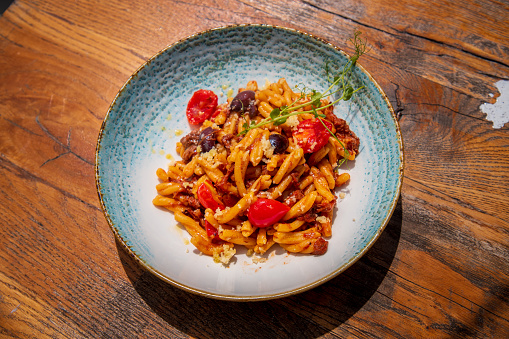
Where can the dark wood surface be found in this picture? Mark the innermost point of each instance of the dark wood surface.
(439, 270)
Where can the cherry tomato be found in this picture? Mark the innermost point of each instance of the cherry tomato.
(201, 106)
(311, 134)
(211, 230)
(206, 197)
(266, 212)
(216, 112)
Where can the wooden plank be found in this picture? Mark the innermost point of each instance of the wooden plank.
(61, 276)
(440, 269)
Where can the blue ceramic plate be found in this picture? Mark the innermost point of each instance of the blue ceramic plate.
(147, 119)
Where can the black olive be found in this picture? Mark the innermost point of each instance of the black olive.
(279, 142)
(207, 144)
(207, 139)
(236, 105)
(252, 111)
(242, 101)
(206, 131)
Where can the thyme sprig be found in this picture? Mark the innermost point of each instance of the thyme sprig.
(340, 86)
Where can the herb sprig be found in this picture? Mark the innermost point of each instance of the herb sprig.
(340, 84)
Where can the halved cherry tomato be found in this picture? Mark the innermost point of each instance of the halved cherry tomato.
(311, 134)
(206, 197)
(201, 106)
(266, 212)
(217, 111)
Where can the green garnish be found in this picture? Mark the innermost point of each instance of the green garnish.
(339, 84)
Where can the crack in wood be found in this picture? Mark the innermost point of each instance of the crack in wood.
(456, 200)
(454, 47)
(343, 17)
(442, 106)
(450, 299)
(21, 127)
(411, 35)
(23, 173)
(400, 107)
(65, 147)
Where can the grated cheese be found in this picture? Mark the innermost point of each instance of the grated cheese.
(210, 157)
(322, 219)
(259, 260)
(220, 212)
(224, 255)
(188, 184)
(268, 150)
(292, 121)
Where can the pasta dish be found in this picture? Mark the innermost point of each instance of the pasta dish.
(258, 171)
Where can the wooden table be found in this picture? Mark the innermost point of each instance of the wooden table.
(440, 268)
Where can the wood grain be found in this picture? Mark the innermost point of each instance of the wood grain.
(439, 270)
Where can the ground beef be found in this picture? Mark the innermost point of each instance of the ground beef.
(188, 200)
(343, 132)
(320, 246)
(293, 198)
(227, 139)
(324, 207)
(191, 139)
(196, 214)
(189, 144)
(229, 199)
(308, 217)
(222, 185)
(189, 153)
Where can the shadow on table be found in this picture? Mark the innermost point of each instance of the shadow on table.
(309, 314)
(4, 4)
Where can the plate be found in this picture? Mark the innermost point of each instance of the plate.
(147, 119)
